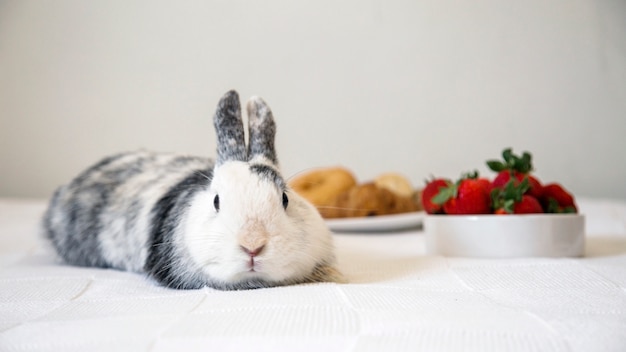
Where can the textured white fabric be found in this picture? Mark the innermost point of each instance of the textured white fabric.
(398, 299)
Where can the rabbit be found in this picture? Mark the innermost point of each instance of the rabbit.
(191, 222)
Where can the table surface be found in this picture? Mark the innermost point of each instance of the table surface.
(397, 299)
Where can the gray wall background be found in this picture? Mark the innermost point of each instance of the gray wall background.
(419, 87)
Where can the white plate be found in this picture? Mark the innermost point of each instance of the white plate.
(377, 223)
(505, 236)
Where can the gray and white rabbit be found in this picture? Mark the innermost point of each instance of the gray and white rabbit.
(190, 222)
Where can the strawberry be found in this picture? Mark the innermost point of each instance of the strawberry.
(511, 199)
(528, 205)
(556, 199)
(504, 176)
(516, 168)
(432, 188)
(469, 195)
(485, 181)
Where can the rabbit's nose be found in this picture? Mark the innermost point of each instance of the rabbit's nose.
(253, 237)
(252, 252)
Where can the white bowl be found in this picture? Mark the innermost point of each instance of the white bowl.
(505, 236)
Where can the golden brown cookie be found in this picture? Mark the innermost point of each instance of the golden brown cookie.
(322, 186)
(396, 183)
(368, 200)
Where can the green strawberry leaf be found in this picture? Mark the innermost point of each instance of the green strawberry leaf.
(469, 175)
(501, 201)
(496, 165)
(512, 162)
(506, 197)
(508, 206)
(430, 179)
(553, 206)
(525, 166)
(495, 197)
(523, 186)
(513, 191)
(508, 156)
(444, 194)
(569, 210)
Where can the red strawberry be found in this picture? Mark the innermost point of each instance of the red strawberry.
(504, 177)
(430, 191)
(536, 188)
(528, 205)
(472, 198)
(511, 199)
(517, 168)
(555, 199)
(485, 181)
(470, 195)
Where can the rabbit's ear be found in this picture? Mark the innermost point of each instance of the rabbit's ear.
(262, 131)
(231, 143)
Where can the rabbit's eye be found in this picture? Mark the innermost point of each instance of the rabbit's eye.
(285, 200)
(216, 202)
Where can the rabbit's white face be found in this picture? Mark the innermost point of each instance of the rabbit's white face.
(250, 227)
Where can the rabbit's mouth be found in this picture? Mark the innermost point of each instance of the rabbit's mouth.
(252, 257)
(253, 275)
(252, 265)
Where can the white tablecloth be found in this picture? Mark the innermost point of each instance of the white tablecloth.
(398, 299)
